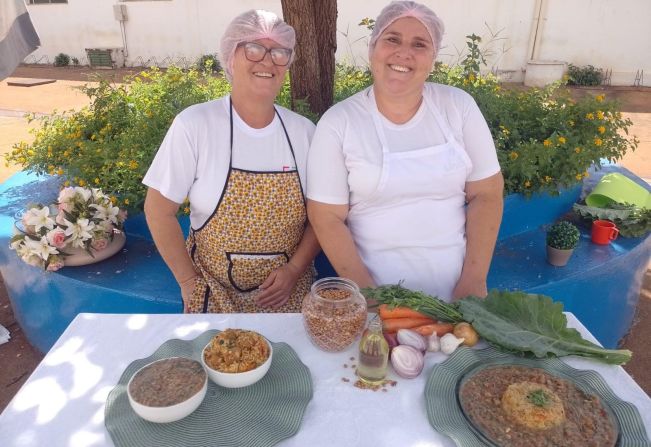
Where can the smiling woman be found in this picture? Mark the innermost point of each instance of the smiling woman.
(403, 178)
(241, 161)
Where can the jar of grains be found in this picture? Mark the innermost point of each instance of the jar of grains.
(334, 313)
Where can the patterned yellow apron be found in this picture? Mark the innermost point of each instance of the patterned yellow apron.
(256, 227)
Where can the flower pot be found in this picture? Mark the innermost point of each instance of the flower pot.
(79, 256)
(541, 73)
(558, 257)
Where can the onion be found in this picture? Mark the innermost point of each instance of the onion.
(467, 332)
(391, 339)
(407, 361)
(412, 338)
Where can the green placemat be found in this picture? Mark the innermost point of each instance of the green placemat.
(259, 415)
(445, 414)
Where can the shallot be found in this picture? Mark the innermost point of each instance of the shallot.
(407, 361)
(449, 342)
(412, 338)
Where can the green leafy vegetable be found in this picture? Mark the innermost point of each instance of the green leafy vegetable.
(534, 324)
(396, 295)
(631, 221)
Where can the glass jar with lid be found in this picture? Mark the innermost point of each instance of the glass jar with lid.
(334, 313)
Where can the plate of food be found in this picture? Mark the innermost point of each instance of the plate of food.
(490, 398)
(261, 403)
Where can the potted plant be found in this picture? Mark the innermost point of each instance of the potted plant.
(562, 239)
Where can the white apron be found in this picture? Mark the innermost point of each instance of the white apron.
(412, 227)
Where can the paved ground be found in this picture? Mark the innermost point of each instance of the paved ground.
(18, 358)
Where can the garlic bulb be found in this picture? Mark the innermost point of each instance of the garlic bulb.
(449, 343)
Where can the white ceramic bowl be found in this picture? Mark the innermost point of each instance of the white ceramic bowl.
(237, 380)
(170, 413)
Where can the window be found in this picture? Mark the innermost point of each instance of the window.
(39, 2)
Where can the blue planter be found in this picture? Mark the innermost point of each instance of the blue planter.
(598, 281)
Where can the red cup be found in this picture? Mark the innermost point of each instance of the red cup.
(604, 231)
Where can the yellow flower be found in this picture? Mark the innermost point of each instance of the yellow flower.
(113, 200)
(120, 163)
(600, 98)
(186, 210)
(66, 183)
(571, 123)
(96, 180)
(589, 116)
(547, 142)
(598, 141)
(548, 179)
(93, 136)
(60, 171)
(579, 176)
(513, 155)
(577, 150)
(471, 77)
(82, 182)
(601, 129)
(527, 184)
(561, 140)
(600, 114)
(66, 153)
(586, 175)
(133, 164)
(126, 201)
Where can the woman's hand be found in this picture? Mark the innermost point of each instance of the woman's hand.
(277, 288)
(187, 288)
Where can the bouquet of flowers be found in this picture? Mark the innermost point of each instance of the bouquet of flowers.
(81, 218)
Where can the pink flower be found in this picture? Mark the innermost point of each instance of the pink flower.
(56, 238)
(65, 206)
(55, 265)
(99, 244)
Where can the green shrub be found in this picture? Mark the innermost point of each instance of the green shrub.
(61, 60)
(563, 235)
(545, 140)
(210, 63)
(588, 75)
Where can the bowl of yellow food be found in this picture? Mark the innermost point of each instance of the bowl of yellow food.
(236, 358)
(167, 390)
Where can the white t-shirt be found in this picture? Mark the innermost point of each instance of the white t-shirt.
(193, 160)
(345, 160)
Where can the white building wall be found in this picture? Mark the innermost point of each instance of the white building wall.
(604, 33)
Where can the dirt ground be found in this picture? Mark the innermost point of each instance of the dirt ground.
(18, 358)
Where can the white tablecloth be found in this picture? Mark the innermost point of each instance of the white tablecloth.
(62, 403)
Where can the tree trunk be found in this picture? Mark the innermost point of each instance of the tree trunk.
(312, 73)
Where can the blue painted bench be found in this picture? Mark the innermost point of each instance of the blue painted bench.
(600, 285)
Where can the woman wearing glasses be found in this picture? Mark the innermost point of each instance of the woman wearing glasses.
(241, 161)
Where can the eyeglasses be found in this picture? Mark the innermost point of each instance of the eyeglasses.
(256, 52)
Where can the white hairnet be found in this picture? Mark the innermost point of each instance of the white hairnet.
(400, 9)
(253, 25)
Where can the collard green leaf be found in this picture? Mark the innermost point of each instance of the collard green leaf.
(520, 322)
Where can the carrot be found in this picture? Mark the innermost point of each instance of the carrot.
(393, 324)
(440, 329)
(399, 312)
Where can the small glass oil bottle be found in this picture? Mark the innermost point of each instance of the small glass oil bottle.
(373, 354)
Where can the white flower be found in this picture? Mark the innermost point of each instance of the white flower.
(106, 213)
(31, 259)
(79, 231)
(98, 195)
(84, 193)
(38, 218)
(66, 195)
(40, 248)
